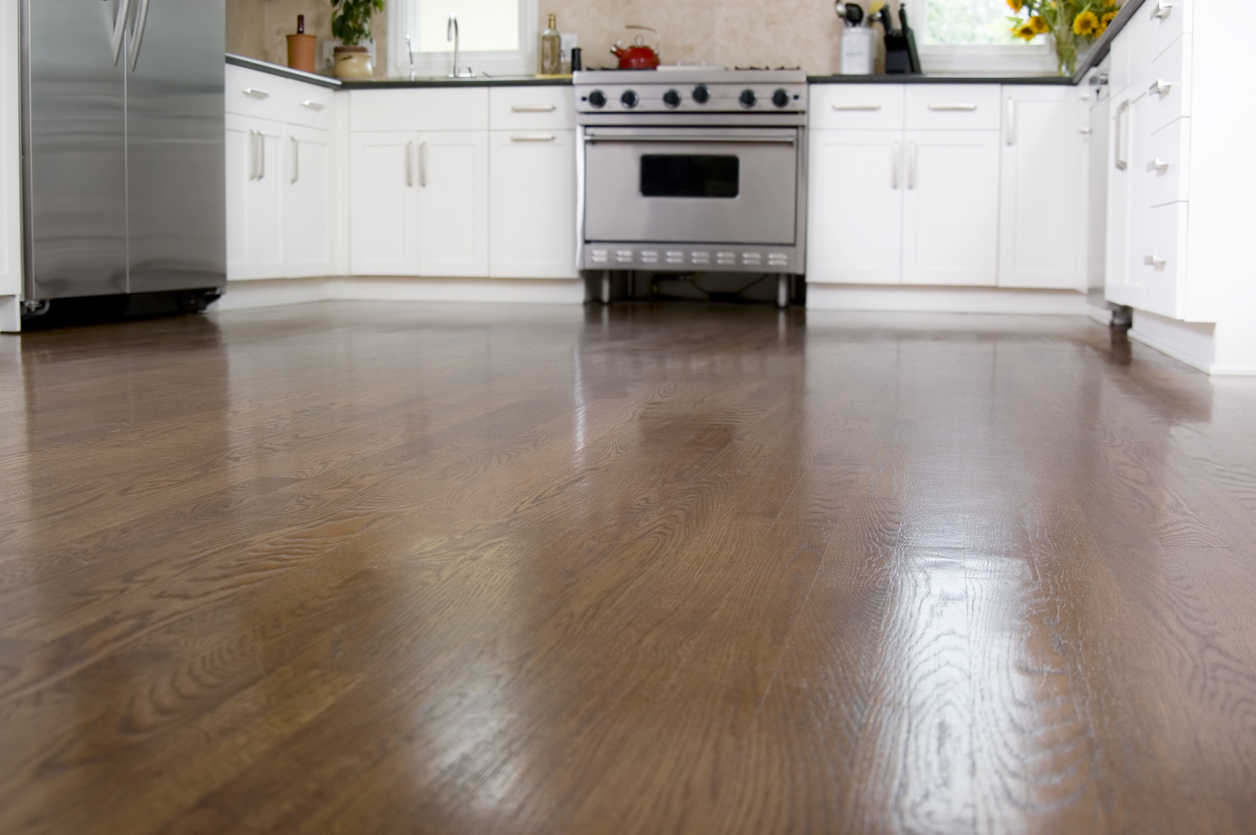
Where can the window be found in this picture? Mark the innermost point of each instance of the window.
(497, 37)
(972, 36)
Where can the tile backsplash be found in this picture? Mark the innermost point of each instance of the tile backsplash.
(778, 33)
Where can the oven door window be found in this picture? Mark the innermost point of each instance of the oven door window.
(690, 175)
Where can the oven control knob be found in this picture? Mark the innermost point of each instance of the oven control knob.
(701, 94)
(780, 98)
(629, 98)
(597, 98)
(747, 98)
(671, 98)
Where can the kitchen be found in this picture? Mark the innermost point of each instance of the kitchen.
(517, 477)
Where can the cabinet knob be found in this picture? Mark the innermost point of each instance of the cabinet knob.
(1154, 261)
(1158, 165)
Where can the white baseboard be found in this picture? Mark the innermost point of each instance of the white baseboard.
(946, 299)
(1188, 342)
(10, 314)
(245, 295)
(517, 290)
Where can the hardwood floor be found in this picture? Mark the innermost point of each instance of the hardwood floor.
(403, 568)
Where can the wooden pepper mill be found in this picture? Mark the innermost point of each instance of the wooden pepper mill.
(301, 48)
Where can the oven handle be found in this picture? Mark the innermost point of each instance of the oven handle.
(690, 139)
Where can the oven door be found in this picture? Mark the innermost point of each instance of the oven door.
(696, 185)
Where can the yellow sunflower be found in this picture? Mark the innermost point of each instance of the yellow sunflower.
(1038, 25)
(1025, 31)
(1086, 24)
(1105, 20)
(1016, 5)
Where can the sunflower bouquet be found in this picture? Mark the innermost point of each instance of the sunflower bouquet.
(1069, 22)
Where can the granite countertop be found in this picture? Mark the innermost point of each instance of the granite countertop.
(387, 83)
(938, 79)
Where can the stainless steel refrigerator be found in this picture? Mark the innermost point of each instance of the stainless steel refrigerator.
(122, 144)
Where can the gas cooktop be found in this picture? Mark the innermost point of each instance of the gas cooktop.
(692, 90)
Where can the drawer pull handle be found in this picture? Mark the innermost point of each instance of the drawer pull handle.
(897, 163)
(409, 164)
(1122, 139)
(1158, 165)
(1085, 131)
(856, 107)
(1160, 87)
(254, 93)
(312, 105)
(952, 107)
(1154, 261)
(532, 108)
(1161, 10)
(532, 137)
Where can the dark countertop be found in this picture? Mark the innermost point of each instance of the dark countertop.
(284, 72)
(479, 81)
(938, 79)
(337, 84)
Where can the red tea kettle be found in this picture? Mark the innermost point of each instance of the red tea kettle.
(638, 56)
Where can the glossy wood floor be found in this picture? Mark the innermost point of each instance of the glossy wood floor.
(407, 568)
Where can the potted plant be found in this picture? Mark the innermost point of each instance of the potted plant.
(1070, 23)
(351, 22)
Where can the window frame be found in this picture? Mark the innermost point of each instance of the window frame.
(516, 62)
(979, 59)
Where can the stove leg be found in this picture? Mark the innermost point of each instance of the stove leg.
(606, 287)
(782, 290)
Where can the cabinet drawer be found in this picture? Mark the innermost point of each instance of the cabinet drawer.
(252, 93)
(435, 108)
(1167, 163)
(857, 106)
(531, 108)
(953, 107)
(309, 105)
(1157, 257)
(1169, 85)
(1166, 21)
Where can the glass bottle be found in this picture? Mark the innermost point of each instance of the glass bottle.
(551, 48)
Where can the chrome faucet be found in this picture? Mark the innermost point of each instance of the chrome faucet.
(451, 34)
(410, 49)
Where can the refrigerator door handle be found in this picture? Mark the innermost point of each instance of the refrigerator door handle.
(137, 33)
(119, 29)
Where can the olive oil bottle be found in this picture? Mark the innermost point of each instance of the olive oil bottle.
(551, 48)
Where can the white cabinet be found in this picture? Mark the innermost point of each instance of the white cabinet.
(309, 228)
(255, 195)
(950, 208)
(855, 212)
(453, 203)
(384, 203)
(281, 201)
(532, 217)
(916, 204)
(1043, 206)
(419, 203)
(419, 190)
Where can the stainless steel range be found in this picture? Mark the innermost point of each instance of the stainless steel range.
(694, 169)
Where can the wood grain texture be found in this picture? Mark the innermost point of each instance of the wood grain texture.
(355, 567)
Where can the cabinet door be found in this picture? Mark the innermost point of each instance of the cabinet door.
(384, 203)
(855, 207)
(532, 204)
(1122, 278)
(1042, 211)
(453, 203)
(255, 223)
(951, 208)
(309, 204)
